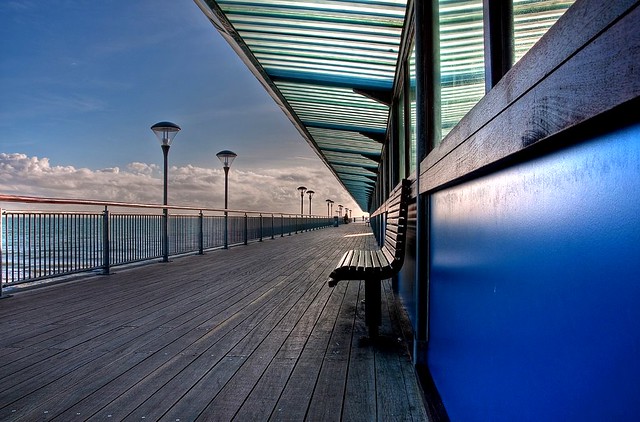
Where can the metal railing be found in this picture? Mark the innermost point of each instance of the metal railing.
(36, 245)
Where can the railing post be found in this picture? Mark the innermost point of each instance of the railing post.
(201, 233)
(226, 230)
(246, 229)
(2, 295)
(165, 235)
(296, 217)
(106, 251)
(272, 228)
(281, 225)
(261, 228)
(1, 269)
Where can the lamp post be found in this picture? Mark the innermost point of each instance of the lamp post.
(328, 201)
(165, 132)
(339, 210)
(226, 157)
(302, 190)
(310, 193)
(331, 203)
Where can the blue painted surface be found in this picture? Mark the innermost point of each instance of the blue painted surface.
(406, 277)
(535, 288)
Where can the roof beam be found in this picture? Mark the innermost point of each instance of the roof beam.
(364, 131)
(383, 96)
(376, 136)
(278, 75)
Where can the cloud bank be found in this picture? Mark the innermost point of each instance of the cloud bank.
(262, 189)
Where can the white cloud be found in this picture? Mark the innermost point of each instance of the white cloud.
(258, 190)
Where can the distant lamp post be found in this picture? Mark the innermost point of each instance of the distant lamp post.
(226, 157)
(328, 201)
(350, 211)
(310, 193)
(302, 190)
(331, 204)
(339, 210)
(165, 131)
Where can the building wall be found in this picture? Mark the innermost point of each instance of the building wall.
(535, 287)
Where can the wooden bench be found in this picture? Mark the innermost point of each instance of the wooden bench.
(373, 266)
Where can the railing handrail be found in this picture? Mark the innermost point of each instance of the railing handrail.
(59, 242)
(92, 202)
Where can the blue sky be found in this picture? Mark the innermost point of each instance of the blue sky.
(83, 81)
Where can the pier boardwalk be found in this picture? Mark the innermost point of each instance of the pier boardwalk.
(251, 333)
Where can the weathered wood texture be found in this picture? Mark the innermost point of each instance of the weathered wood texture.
(584, 66)
(251, 333)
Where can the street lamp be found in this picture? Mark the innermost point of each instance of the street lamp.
(310, 193)
(331, 203)
(339, 210)
(302, 190)
(165, 131)
(328, 201)
(226, 157)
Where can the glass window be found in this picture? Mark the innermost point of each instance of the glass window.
(401, 138)
(531, 19)
(461, 59)
(413, 159)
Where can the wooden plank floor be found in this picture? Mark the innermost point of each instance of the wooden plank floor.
(250, 333)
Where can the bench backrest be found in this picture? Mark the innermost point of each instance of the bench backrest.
(395, 234)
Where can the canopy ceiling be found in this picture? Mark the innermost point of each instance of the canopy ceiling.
(323, 62)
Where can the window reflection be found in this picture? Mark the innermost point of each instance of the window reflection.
(532, 19)
(461, 59)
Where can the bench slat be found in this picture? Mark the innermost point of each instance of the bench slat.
(368, 262)
(396, 222)
(347, 258)
(343, 259)
(359, 262)
(394, 229)
(376, 261)
(353, 262)
(392, 244)
(395, 207)
(390, 255)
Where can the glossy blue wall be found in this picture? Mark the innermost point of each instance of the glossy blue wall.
(535, 288)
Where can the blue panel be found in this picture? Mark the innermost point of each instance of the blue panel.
(405, 281)
(535, 288)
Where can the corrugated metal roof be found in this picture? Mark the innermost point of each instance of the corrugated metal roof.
(323, 61)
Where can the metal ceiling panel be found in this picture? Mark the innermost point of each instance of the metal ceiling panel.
(311, 56)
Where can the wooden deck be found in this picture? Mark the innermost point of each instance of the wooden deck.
(250, 333)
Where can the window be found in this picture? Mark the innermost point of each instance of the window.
(532, 19)
(400, 119)
(461, 60)
(413, 159)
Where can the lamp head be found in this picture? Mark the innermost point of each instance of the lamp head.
(226, 157)
(310, 193)
(165, 131)
(302, 190)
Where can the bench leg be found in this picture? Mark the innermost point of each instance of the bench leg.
(372, 306)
